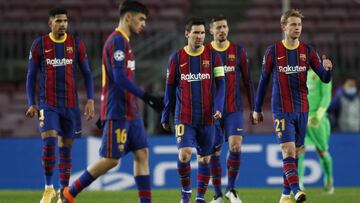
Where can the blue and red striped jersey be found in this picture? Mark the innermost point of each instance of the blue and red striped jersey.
(236, 69)
(289, 66)
(118, 97)
(57, 61)
(192, 86)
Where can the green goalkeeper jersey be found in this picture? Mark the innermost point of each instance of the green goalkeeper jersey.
(319, 93)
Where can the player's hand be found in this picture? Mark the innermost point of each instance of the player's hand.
(154, 102)
(326, 63)
(257, 117)
(32, 111)
(217, 115)
(89, 111)
(251, 118)
(166, 126)
(313, 121)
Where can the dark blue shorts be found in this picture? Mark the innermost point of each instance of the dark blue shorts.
(66, 121)
(291, 127)
(122, 136)
(231, 124)
(201, 137)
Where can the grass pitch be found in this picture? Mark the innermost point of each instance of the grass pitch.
(315, 195)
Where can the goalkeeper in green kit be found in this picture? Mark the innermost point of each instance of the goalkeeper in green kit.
(318, 130)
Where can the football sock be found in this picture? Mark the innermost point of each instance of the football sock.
(327, 166)
(82, 182)
(290, 170)
(233, 165)
(215, 165)
(184, 172)
(301, 169)
(203, 178)
(64, 165)
(144, 188)
(48, 158)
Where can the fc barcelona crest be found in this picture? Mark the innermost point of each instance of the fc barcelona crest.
(69, 50)
(206, 63)
(231, 57)
(303, 57)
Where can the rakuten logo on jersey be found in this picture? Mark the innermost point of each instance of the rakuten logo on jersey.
(59, 62)
(229, 69)
(195, 77)
(291, 69)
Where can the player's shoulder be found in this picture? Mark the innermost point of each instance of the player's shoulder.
(115, 37)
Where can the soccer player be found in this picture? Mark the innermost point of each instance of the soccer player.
(56, 56)
(123, 130)
(236, 70)
(318, 130)
(288, 61)
(195, 88)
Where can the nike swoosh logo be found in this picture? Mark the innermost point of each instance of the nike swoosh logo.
(48, 50)
(184, 64)
(239, 129)
(281, 57)
(77, 132)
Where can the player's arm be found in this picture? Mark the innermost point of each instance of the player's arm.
(219, 75)
(170, 89)
(88, 80)
(249, 88)
(322, 69)
(264, 80)
(120, 78)
(33, 65)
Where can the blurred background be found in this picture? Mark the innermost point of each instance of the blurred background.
(331, 26)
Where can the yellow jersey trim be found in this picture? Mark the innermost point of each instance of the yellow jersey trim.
(290, 47)
(123, 34)
(219, 71)
(186, 48)
(62, 40)
(213, 44)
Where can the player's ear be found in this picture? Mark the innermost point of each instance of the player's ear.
(50, 22)
(283, 27)
(186, 34)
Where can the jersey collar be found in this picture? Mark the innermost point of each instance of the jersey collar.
(123, 34)
(186, 48)
(290, 47)
(213, 44)
(62, 40)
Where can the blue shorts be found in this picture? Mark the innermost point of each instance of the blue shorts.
(232, 124)
(291, 127)
(122, 136)
(201, 137)
(65, 121)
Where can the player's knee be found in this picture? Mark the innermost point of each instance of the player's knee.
(65, 142)
(204, 159)
(217, 153)
(235, 147)
(300, 150)
(288, 150)
(142, 155)
(322, 153)
(184, 155)
(49, 133)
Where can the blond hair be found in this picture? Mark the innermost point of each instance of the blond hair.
(290, 13)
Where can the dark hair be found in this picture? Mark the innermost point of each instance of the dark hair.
(132, 6)
(194, 21)
(217, 18)
(57, 11)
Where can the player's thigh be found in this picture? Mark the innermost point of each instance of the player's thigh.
(233, 124)
(136, 136)
(219, 138)
(300, 122)
(70, 123)
(205, 139)
(49, 122)
(114, 138)
(284, 127)
(185, 135)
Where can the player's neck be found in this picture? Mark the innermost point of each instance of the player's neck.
(193, 49)
(124, 29)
